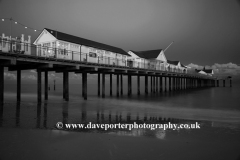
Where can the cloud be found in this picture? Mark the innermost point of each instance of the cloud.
(29, 77)
(9, 76)
(228, 69)
(33, 71)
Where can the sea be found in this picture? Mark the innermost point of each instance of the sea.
(216, 109)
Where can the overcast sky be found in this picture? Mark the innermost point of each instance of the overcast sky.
(205, 31)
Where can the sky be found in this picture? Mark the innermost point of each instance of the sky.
(205, 32)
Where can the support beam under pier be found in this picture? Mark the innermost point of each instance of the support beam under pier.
(138, 84)
(1, 85)
(85, 85)
(111, 83)
(18, 85)
(103, 85)
(98, 84)
(129, 85)
(39, 86)
(121, 82)
(117, 85)
(146, 84)
(66, 86)
(46, 85)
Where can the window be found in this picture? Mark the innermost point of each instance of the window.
(46, 48)
(53, 44)
(107, 53)
(94, 55)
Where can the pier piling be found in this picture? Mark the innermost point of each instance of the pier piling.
(39, 86)
(117, 85)
(146, 84)
(1, 85)
(46, 85)
(98, 84)
(111, 84)
(18, 85)
(103, 85)
(138, 84)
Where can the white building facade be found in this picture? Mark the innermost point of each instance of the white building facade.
(51, 45)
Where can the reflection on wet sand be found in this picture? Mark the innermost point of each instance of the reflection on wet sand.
(44, 121)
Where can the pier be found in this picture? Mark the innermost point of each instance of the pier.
(160, 80)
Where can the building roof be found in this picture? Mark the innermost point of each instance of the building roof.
(147, 54)
(198, 70)
(74, 39)
(183, 66)
(173, 62)
(207, 70)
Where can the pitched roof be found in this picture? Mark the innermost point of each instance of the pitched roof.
(173, 62)
(208, 70)
(183, 65)
(74, 39)
(147, 54)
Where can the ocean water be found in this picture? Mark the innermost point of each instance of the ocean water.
(216, 109)
(218, 105)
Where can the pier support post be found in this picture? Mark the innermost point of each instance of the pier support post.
(176, 83)
(98, 84)
(66, 85)
(129, 85)
(217, 83)
(111, 84)
(117, 85)
(39, 86)
(160, 84)
(180, 83)
(165, 86)
(121, 78)
(18, 85)
(138, 84)
(103, 85)
(173, 83)
(170, 84)
(151, 79)
(1, 85)
(85, 85)
(146, 84)
(82, 85)
(230, 82)
(46, 85)
(224, 83)
(156, 84)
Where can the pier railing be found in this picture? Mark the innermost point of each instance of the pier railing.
(55, 54)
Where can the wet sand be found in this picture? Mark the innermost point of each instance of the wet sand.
(57, 144)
